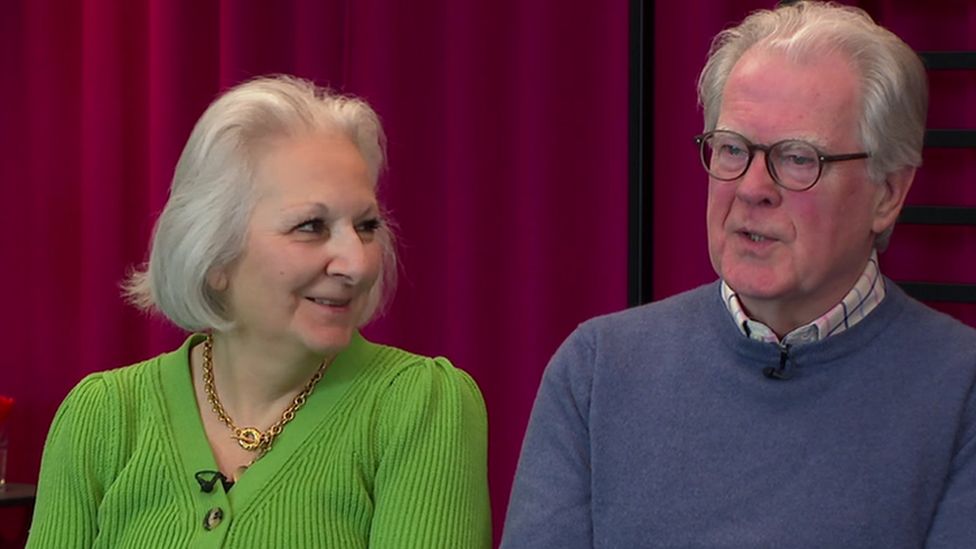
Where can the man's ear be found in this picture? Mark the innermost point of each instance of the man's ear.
(891, 197)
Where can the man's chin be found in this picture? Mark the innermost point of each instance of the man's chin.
(756, 282)
(757, 290)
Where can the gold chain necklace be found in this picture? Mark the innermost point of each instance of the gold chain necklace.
(250, 438)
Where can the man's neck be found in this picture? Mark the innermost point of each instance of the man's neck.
(833, 313)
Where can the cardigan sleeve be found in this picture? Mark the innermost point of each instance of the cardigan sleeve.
(550, 505)
(73, 475)
(431, 488)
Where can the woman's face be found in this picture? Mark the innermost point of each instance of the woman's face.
(312, 252)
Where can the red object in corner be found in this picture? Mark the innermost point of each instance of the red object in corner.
(5, 404)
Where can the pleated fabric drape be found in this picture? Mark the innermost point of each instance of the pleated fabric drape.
(507, 125)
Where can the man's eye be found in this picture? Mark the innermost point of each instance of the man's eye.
(799, 160)
(732, 150)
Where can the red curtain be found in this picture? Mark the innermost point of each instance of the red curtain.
(507, 125)
(682, 34)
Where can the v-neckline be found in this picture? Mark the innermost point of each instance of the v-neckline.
(190, 438)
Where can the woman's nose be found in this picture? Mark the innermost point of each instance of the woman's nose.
(347, 255)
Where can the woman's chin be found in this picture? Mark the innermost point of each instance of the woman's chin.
(330, 341)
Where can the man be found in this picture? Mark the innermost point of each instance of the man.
(803, 400)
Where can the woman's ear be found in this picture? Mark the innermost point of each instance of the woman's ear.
(217, 279)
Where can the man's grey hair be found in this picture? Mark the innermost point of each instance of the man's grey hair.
(205, 221)
(893, 80)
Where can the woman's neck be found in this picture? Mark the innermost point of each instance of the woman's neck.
(256, 381)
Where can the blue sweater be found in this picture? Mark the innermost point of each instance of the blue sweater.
(655, 427)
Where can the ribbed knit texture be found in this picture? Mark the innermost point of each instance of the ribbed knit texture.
(655, 427)
(388, 452)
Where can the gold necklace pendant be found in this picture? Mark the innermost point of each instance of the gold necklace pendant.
(249, 438)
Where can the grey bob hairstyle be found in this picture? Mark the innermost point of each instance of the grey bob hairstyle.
(204, 223)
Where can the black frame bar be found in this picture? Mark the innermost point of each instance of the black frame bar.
(937, 215)
(948, 60)
(640, 144)
(931, 291)
(950, 139)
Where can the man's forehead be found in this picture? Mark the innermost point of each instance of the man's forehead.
(768, 68)
(769, 95)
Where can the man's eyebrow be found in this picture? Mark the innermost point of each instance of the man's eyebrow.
(816, 141)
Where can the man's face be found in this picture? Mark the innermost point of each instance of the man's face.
(791, 255)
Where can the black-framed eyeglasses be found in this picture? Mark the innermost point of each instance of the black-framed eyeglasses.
(793, 164)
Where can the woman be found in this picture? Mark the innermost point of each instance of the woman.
(275, 424)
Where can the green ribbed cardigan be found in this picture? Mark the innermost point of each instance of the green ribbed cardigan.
(389, 451)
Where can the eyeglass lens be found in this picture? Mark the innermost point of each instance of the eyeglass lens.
(793, 164)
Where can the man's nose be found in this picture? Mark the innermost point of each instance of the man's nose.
(757, 186)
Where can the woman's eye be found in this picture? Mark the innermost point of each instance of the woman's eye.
(369, 226)
(313, 226)
(317, 227)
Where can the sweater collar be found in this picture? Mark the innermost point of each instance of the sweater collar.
(814, 354)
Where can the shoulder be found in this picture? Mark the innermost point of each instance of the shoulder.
(90, 397)
(921, 325)
(129, 388)
(403, 371)
(95, 418)
(420, 392)
(610, 343)
(679, 312)
(111, 400)
(103, 392)
(636, 329)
